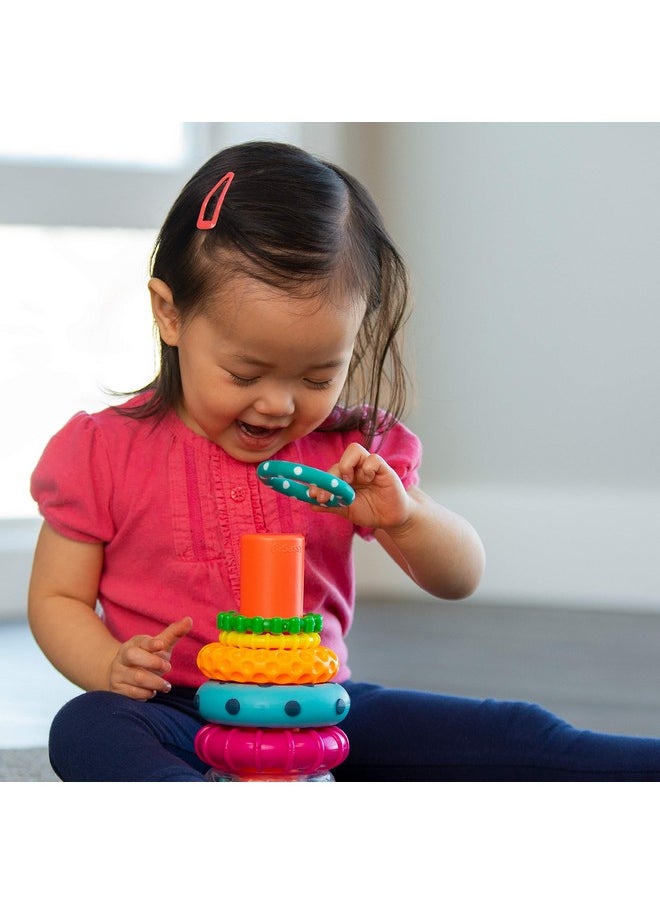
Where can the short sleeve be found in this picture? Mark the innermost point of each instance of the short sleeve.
(72, 484)
(402, 450)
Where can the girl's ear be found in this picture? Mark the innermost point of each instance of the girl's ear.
(165, 312)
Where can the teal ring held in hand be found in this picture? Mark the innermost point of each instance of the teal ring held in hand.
(294, 479)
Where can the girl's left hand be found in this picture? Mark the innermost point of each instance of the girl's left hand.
(381, 500)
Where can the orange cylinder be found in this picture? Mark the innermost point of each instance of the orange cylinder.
(272, 575)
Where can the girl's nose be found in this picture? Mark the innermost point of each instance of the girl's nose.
(275, 403)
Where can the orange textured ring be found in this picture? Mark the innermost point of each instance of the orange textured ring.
(270, 641)
(241, 664)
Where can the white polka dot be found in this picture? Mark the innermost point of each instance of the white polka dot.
(297, 470)
(285, 485)
(334, 483)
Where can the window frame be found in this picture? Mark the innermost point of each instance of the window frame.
(37, 192)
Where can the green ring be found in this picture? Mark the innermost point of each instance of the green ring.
(306, 624)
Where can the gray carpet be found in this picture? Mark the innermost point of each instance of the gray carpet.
(26, 766)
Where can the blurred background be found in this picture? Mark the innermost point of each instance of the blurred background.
(534, 251)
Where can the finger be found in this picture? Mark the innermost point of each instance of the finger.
(369, 467)
(136, 692)
(145, 675)
(141, 656)
(145, 680)
(167, 638)
(138, 683)
(337, 512)
(321, 496)
(350, 460)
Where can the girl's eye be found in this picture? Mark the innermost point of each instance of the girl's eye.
(320, 384)
(242, 381)
(248, 381)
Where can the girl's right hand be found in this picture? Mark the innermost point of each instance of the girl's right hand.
(139, 664)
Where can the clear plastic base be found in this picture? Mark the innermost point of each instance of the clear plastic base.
(213, 775)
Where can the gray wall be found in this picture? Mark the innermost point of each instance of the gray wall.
(534, 254)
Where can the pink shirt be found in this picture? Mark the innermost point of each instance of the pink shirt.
(170, 507)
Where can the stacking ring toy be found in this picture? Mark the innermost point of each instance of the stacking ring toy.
(270, 641)
(232, 621)
(273, 706)
(294, 480)
(256, 751)
(312, 666)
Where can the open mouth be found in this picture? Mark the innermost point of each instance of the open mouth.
(257, 432)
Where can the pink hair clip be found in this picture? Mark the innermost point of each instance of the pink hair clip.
(224, 183)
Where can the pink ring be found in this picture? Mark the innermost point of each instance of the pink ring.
(271, 751)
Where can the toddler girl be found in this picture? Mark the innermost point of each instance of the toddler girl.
(279, 299)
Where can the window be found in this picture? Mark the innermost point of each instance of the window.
(144, 144)
(79, 213)
(77, 323)
(78, 218)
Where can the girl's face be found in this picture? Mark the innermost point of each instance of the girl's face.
(261, 368)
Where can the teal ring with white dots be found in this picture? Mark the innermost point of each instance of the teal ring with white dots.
(294, 480)
(272, 705)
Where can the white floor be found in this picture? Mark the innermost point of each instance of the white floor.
(31, 690)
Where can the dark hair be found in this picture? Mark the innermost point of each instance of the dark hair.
(298, 223)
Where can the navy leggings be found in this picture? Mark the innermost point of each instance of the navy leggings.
(394, 735)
